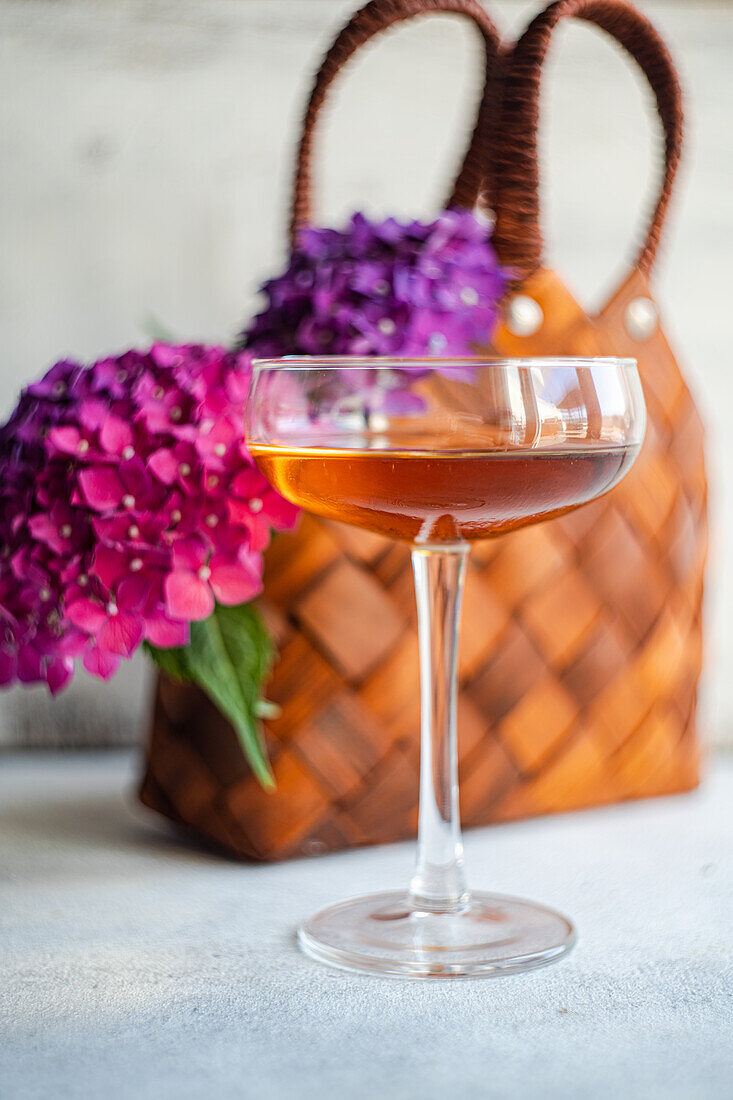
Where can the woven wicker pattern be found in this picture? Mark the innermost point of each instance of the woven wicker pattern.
(581, 637)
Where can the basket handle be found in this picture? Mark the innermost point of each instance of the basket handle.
(515, 193)
(375, 17)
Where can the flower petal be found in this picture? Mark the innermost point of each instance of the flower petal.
(100, 663)
(234, 582)
(110, 565)
(86, 614)
(238, 511)
(30, 670)
(43, 528)
(64, 439)
(93, 413)
(282, 515)
(135, 476)
(187, 596)
(165, 633)
(101, 488)
(249, 483)
(132, 592)
(121, 633)
(164, 465)
(115, 435)
(189, 553)
(58, 673)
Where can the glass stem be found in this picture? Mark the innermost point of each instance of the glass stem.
(439, 883)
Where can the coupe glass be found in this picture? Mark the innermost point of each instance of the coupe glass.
(438, 453)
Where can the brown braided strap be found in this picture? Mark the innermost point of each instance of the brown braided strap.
(371, 20)
(518, 236)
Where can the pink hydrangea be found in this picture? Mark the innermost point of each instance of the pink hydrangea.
(129, 504)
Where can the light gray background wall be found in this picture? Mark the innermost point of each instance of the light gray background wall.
(145, 157)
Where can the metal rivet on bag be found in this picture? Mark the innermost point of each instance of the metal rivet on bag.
(524, 316)
(641, 318)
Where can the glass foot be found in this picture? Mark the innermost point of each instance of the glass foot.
(386, 934)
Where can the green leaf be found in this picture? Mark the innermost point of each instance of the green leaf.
(229, 656)
(170, 661)
(154, 329)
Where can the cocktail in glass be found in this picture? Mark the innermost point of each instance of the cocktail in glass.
(437, 454)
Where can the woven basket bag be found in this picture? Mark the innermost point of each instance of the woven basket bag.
(581, 637)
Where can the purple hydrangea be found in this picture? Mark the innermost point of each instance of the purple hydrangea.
(383, 288)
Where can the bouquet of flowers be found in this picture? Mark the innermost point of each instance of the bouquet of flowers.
(131, 513)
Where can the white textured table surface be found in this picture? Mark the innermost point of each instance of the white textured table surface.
(136, 966)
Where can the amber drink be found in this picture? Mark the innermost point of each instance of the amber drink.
(440, 496)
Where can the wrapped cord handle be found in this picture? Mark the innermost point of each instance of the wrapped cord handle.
(515, 177)
(371, 20)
